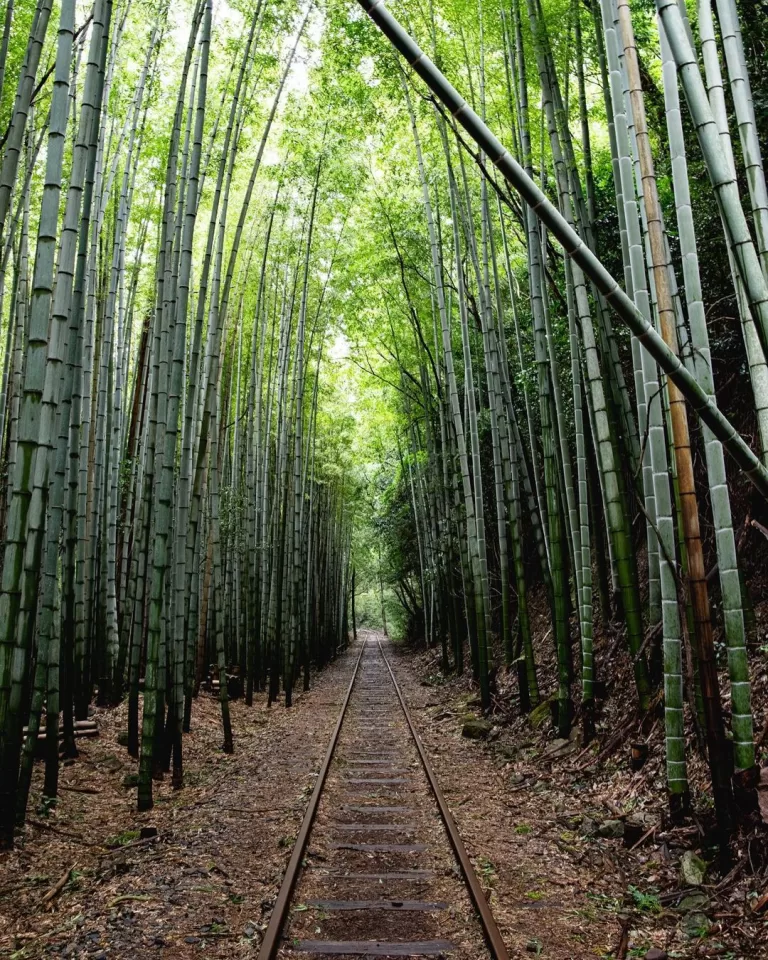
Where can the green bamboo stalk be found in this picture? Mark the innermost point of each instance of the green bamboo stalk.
(723, 182)
(757, 362)
(689, 512)
(18, 597)
(728, 570)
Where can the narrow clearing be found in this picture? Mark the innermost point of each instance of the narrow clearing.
(379, 873)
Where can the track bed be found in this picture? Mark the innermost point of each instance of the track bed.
(379, 875)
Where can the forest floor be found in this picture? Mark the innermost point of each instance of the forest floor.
(574, 848)
(205, 884)
(577, 862)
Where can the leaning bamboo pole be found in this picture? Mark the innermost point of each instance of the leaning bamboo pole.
(704, 406)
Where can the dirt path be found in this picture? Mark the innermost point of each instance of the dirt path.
(205, 884)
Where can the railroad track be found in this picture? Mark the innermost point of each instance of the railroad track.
(378, 867)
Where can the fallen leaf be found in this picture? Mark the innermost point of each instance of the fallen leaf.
(762, 794)
(761, 903)
(129, 896)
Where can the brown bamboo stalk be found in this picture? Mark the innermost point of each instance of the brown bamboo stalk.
(697, 578)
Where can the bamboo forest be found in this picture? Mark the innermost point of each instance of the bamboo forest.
(384, 384)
